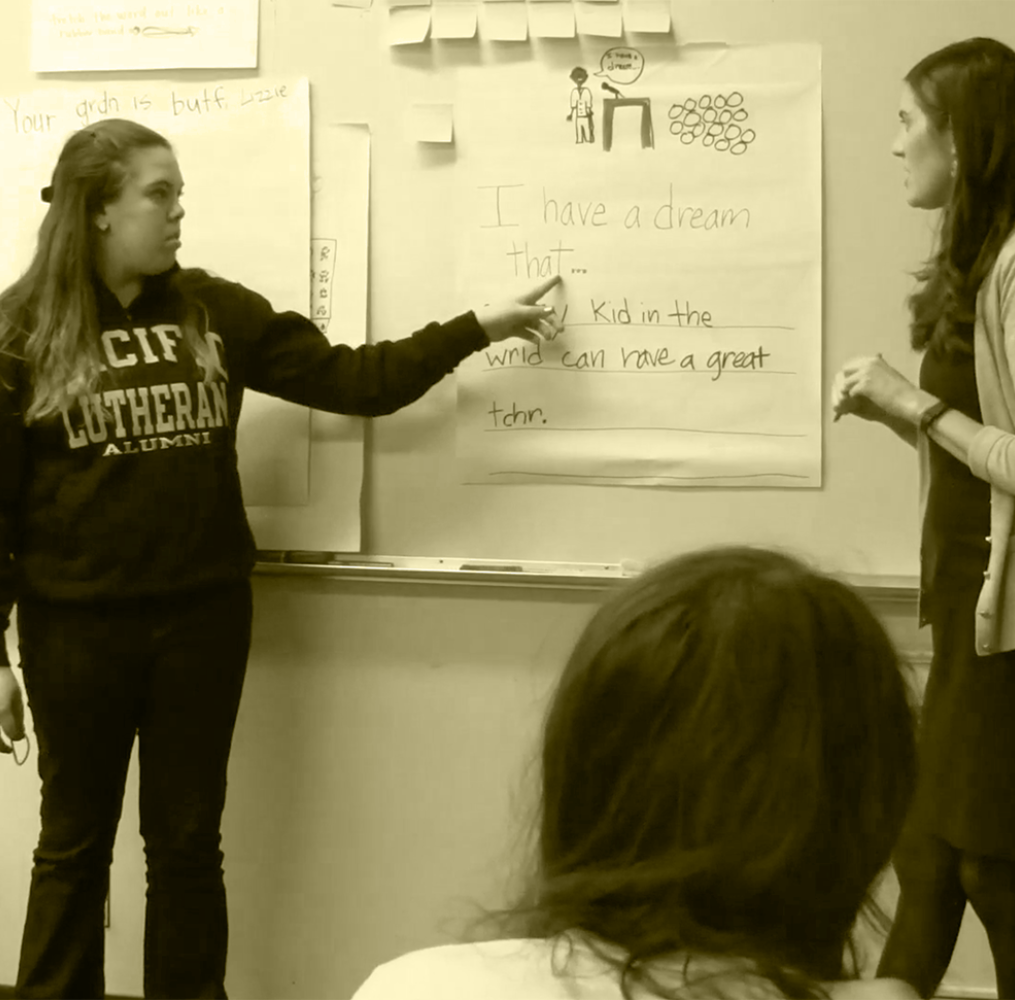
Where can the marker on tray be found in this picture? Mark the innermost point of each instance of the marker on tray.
(310, 558)
(360, 563)
(493, 567)
(333, 559)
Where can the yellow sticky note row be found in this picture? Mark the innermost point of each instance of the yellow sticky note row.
(413, 21)
(431, 122)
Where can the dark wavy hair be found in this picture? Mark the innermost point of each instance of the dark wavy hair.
(969, 88)
(49, 316)
(726, 765)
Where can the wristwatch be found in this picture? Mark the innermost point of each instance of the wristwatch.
(932, 413)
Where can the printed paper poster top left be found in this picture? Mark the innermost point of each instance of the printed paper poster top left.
(72, 35)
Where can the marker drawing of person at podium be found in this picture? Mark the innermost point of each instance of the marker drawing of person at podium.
(581, 107)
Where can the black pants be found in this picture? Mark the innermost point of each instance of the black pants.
(170, 671)
(958, 844)
(936, 881)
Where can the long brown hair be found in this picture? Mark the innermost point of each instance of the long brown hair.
(969, 88)
(726, 764)
(49, 316)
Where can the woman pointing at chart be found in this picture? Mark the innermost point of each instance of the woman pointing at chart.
(956, 142)
(124, 542)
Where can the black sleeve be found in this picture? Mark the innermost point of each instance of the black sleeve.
(289, 357)
(12, 460)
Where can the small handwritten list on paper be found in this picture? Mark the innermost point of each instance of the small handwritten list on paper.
(120, 35)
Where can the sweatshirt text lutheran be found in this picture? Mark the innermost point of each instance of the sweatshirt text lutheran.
(133, 491)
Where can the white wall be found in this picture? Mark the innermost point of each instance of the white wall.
(384, 730)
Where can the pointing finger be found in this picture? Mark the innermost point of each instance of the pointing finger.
(529, 298)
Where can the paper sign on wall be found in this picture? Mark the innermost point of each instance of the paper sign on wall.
(681, 202)
(244, 152)
(340, 253)
(104, 35)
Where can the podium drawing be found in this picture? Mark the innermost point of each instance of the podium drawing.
(611, 104)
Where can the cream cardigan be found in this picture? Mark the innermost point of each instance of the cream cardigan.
(992, 451)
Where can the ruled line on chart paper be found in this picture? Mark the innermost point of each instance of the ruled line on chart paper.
(679, 430)
(575, 475)
(636, 371)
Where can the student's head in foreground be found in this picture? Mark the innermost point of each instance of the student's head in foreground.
(726, 765)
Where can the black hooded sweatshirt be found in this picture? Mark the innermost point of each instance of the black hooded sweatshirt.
(146, 501)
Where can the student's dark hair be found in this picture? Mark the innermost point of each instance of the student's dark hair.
(726, 765)
(48, 317)
(969, 88)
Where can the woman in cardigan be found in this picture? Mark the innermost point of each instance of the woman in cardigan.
(957, 143)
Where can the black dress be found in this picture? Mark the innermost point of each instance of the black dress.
(966, 786)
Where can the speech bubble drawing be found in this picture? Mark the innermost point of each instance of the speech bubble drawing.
(622, 65)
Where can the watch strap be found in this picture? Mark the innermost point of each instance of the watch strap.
(931, 414)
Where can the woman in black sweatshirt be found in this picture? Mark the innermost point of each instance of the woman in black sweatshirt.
(124, 541)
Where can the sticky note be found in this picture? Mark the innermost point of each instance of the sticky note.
(408, 25)
(599, 19)
(648, 16)
(431, 122)
(504, 21)
(453, 20)
(551, 19)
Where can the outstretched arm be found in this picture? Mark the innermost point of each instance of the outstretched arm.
(290, 358)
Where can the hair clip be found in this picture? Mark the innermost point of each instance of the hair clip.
(47, 194)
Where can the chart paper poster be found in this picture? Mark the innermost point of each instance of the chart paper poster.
(69, 35)
(244, 153)
(679, 197)
(340, 250)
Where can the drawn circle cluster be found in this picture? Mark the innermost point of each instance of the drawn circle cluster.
(717, 121)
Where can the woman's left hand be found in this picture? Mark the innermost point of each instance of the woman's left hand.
(873, 380)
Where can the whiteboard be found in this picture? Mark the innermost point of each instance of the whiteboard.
(863, 517)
